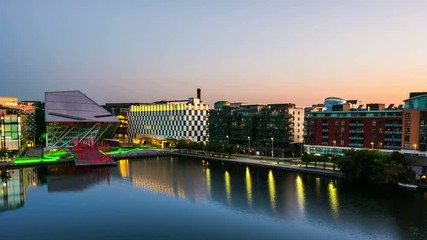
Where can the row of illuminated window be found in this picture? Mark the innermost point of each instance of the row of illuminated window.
(10, 128)
(194, 127)
(167, 118)
(170, 133)
(168, 107)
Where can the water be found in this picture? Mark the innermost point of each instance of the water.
(181, 198)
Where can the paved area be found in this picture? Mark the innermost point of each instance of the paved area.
(263, 162)
(36, 151)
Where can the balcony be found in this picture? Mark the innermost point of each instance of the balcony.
(392, 140)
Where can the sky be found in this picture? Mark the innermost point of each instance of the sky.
(236, 50)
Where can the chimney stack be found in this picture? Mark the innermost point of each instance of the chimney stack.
(199, 93)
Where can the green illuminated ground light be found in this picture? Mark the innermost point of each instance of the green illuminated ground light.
(27, 160)
(124, 150)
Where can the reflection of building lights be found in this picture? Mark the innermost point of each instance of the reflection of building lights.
(208, 182)
(272, 190)
(333, 199)
(124, 168)
(317, 185)
(300, 194)
(227, 186)
(249, 186)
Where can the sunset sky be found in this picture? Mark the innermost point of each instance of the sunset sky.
(235, 50)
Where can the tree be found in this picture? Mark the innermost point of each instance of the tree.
(3, 152)
(373, 166)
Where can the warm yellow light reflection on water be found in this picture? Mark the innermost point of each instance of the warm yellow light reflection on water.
(249, 187)
(300, 194)
(124, 168)
(333, 200)
(272, 190)
(208, 182)
(227, 186)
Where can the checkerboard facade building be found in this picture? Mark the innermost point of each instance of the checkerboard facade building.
(181, 120)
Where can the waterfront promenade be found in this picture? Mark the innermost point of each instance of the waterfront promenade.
(288, 164)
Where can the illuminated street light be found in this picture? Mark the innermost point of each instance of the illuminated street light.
(249, 145)
(272, 147)
(372, 145)
(301, 146)
(227, 139)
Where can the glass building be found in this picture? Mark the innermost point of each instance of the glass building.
(73, 118)
(264, 129)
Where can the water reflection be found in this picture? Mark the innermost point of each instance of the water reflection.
(381, 212)
(14, 186)
(333, 199)
(300, 194)
(272, 190)
(66, 179)
(249, 187)
(227, 186)
(123, 166)
(208, 182)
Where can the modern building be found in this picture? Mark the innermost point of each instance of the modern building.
(179, 120)
(120, 111)
(414, 135)
(73, 118)
(17, 126)
(264, 129)
(346, 127)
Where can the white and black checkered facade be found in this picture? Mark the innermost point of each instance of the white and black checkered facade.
(181, 120)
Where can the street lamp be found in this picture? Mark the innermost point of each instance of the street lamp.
(272, 147)
(372, 145)
(249, 145)
(3, 135)
(301, 146)
(227, 139)
(415, 148)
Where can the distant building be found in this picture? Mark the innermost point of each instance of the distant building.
(346, 126)
(180, 120)
(120, 111)
(415, 122)
(263, 128)
(18, 124)
(73, 118)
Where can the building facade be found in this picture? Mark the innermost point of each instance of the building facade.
(263, 129)
(120, 111)
(73, 118)
(18, 124)
(414, 135)
(344, 127)
(179, 120)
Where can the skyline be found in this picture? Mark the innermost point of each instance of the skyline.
(240, 51)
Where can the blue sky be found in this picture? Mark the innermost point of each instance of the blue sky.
(247, 51)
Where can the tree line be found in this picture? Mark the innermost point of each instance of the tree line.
(368, 166)
(213, 147)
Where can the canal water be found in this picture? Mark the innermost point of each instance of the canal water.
(182, 198)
